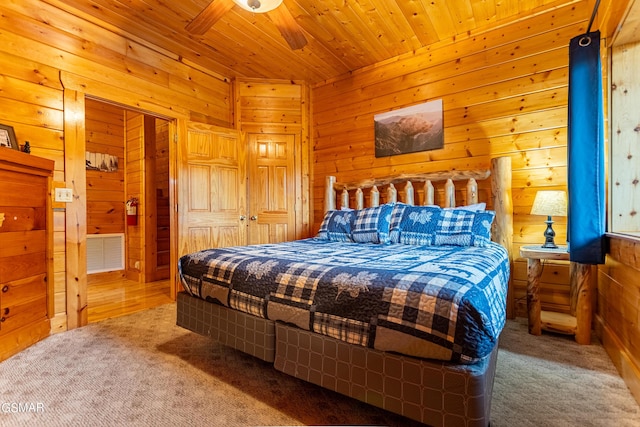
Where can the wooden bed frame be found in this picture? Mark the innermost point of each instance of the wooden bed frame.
(433, 392)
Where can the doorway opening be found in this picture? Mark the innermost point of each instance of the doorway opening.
(127, 158)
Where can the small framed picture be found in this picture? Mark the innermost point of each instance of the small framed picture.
(8, 137)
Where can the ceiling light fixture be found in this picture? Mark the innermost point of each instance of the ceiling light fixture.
(258, 6)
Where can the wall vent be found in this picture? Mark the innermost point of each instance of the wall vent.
(105, 252)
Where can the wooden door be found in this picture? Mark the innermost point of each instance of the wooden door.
(211, 188)
(272, 194)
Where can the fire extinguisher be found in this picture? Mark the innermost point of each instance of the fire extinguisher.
(132, 211)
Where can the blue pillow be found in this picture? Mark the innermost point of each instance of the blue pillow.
(418, 225)
(476, 207)
(464, 228)
(394, 225)
(371, 225)
(336, 226)
(433, 226)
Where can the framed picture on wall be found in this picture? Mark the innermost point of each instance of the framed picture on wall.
(409, 130)
(8, 137)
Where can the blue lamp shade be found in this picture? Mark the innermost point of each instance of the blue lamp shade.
(550, 203)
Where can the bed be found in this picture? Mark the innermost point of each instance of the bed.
(398, 304)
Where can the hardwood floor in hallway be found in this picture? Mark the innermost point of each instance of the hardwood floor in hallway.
(112, 296)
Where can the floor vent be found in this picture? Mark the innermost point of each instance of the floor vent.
(105, 252)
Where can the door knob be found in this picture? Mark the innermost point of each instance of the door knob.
(254, 218)
(242, 217)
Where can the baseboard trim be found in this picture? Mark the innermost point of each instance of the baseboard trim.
(59, 323)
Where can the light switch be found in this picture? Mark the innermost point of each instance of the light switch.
(63, 195)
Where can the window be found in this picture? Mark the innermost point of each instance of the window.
(624, 152)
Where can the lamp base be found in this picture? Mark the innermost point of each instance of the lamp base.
(549, 235)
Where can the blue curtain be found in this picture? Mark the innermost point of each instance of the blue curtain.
(586, 180)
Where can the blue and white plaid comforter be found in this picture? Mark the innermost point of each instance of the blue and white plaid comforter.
(440, 302)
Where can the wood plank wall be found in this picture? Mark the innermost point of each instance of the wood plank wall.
(134, 188)
(105, 190)
(618, 318)
(264, 106)
(504, 93)
(163, 208)
(40, 48)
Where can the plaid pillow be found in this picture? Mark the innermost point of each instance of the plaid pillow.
(394, 225)
(371, 225)
(461, 227)
(418, 225)
(336, 226)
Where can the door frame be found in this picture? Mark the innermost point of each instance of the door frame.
(76, 314)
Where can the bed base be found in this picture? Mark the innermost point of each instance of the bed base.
(432, 392)
(250, 334)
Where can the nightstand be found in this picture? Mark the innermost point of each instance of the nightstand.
(577, 323)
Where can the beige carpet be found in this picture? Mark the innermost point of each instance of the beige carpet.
(142, 370)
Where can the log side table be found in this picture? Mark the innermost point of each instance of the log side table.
(579, 322)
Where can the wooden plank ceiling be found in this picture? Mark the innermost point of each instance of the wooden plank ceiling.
(342, 35)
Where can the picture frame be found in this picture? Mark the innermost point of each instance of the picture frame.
(101, 162)
(410, 129)
(8, 137)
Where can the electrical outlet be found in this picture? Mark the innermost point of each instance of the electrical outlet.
(64, 195)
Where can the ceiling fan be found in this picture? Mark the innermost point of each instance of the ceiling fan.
(277, 12)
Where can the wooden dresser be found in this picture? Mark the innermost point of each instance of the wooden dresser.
(26, 281)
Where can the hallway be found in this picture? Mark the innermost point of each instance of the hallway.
(112, 297)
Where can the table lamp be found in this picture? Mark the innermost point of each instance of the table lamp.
(550, 203)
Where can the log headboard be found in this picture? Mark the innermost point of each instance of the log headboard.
(427, 184)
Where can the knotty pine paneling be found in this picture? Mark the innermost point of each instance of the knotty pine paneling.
(270, 107)
(163, 207)
(618, 302)
(134, 188)
(342, 36)
(504, 93)
(105, 190)
(89, 50)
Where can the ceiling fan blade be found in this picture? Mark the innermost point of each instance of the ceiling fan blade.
(289, 28)
(209, 16)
